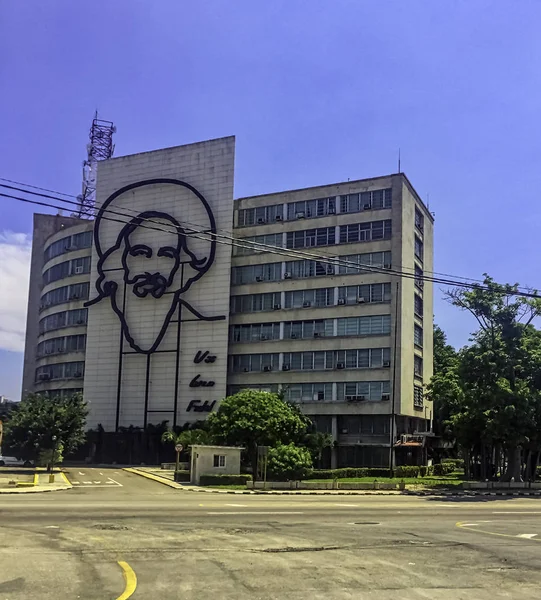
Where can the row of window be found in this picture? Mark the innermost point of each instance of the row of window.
(63, 392)
(69, 343)
(66, 318)
(418, 335)
(320, 207)
(66, 370)
(67, 244)
(300, 269)
(363, 424)
(371, 391)
(78, 266)
(348, 326)
(322, 236)
(317, 298)
(67, 293)
(365, 358)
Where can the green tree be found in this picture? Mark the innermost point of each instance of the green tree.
(494, 389)
(40, 423)
(288, 462)
(317, 442)
(187, 438)
(253, 418)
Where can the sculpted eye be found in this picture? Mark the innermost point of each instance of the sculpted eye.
(140, 250)
(168, 252)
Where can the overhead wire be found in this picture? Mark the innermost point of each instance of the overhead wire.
(246, 244)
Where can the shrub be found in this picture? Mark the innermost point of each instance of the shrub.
(182, 475)
(347, 473)
(407, 471)
(288, 462)
(46, 457)
(456, 463)
(442, 469)
(423, 471)
(224, 479)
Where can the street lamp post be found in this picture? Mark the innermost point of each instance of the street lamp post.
(51, 476)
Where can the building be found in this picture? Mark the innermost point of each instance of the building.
(189, 294)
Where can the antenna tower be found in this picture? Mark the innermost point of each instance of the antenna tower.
(100, 147)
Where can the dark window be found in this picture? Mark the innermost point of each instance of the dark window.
(419, 281)
(219, 460)
(418, 335)
(418, 366)
(418, 306)
(419, 219)
(418, 402)
(418, 248)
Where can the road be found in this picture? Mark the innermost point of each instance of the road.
(196, 546)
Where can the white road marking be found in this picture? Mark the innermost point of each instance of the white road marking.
(76, 482)
(81, 473)
(87, 482)
(52, 527)
(528, 536)
(516, 512)
(115, 482)
(97, 482)
(469, 524)
(261, 512)
(101, 474)
(340, 504)
(238, 505)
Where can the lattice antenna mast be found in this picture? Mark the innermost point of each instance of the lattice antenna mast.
(100, 147)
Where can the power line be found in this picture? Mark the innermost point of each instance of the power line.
(234, 242)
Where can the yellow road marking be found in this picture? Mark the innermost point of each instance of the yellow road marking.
(65, 477)
(36, 479)
(506, 535)
(130, 578)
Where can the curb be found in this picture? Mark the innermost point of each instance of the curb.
(35, 490)
(168, 482)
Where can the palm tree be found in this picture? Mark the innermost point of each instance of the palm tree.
(318, 441)
(187, 438)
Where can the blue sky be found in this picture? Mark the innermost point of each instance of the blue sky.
(315, 92)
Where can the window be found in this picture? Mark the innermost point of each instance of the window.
(359, 326)
(298, 269)
(418, 306)
(324, 236)
(365, 232)
(418, 366)
(255, 302)
(219, 460)
(308, 209)
(263, 387)
(381, 260)
(418, 335)
(71, 343)
(418, 248)
(376, 199)
(245, 363)
(419, 219)
(309, 298)
(419, 281)
(63, 319)
(308, 329)
(260, 215)
(63, 392)
(247, 245)
(60, 371)
(309, 392)
(255, 273)
(418, 402)
(71, 242)
(337, 359)
(64, 269)
(67, 293)
(361, 294)
(372, 391)
(257, 332)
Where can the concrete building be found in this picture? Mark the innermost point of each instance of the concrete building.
(318, 292)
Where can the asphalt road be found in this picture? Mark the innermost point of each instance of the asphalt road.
(196, 546)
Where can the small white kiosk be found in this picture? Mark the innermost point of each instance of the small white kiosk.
(214, 460)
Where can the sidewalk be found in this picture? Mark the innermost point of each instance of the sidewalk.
(40, 484)
(166, 477)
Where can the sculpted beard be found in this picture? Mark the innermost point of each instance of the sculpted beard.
(149, 283)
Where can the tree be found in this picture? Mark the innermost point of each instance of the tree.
(289, 462)
(187, 438)
(317, 442)
(493, 390)
(253, 418)
(40, 423)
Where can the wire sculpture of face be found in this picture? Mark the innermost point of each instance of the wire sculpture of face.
(150, 265)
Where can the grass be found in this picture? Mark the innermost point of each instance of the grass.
(451, 480)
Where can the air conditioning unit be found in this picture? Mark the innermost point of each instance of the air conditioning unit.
(60, 349)
(367, 206)
(306, 304)
(267, 368)
(360, 398)
(351, 398)
(278, 218)
(299, 215)
(286, 367)
(293, 336)
(78, 375)
(80, 322)
(263, 337)
(404, 438)
(344, 431)
(340, 365)
(318, 334)
(330, 270)
(320, 396)
(387, 266)
(287, 275)
(259, 279)
(385, 396)
(386, 363)
(79, 270)
(277, 307)
(246, 370)
(361, 300)
(341, 301)
(74, 297)
(261, 221)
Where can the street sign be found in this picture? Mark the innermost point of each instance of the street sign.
(179, 447)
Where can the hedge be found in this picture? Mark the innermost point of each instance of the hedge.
(182, 476)
(407, 471)
(458, 463)
(441, 469)
(224, 479)
(347, 473)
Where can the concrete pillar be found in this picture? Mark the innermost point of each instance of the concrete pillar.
(334, 451)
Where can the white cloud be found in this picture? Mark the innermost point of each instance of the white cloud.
(15, 251)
